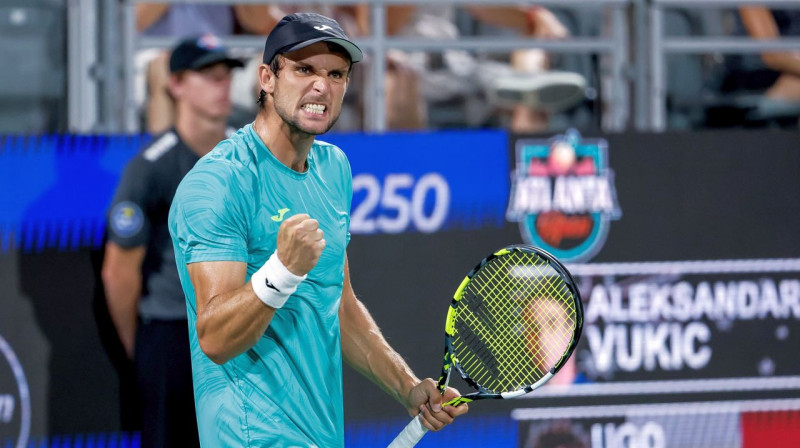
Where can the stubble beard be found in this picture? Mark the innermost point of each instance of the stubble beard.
(294, 123)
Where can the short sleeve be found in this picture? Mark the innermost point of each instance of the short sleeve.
(210, 214)
(129, 223)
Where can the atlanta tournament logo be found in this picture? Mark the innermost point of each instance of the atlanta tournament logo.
(563, 195)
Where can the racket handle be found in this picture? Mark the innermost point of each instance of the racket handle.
(410, 435)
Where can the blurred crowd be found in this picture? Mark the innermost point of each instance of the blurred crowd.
(453, 88)
(528, 90)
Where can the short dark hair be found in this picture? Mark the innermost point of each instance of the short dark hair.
(276, 64)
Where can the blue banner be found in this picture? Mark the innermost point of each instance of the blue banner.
(55, 190)
(427, 182)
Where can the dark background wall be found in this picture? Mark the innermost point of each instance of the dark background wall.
(706, 196)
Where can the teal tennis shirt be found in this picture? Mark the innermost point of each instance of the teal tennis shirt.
(286, 390)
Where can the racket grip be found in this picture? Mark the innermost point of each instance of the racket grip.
(410, 435)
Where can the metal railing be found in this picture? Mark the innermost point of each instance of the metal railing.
(378, 43)
(81, 59)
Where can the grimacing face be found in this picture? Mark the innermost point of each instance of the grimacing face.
(310, 87)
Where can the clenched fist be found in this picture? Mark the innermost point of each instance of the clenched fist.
(300, 243)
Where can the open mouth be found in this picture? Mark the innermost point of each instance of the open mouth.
(314, 109)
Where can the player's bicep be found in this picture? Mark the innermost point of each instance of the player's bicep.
(213, 278)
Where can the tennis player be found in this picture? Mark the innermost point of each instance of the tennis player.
(260, 228)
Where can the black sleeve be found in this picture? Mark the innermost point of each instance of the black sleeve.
(129, 222)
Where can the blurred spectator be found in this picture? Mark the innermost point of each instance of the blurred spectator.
(140, 279)
(760, 90)
(454, 81)
(153, 19)
(526, 86)
(182, 20)
(533, 87)
(783, 95)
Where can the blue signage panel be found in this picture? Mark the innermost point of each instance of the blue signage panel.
(55, 190)
(427, 182)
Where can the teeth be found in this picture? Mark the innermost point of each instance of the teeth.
(317, 109)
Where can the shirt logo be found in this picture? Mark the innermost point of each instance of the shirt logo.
(322, 27)
(279, 216)
(126, 219)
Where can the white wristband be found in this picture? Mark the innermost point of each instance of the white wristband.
(273, 283)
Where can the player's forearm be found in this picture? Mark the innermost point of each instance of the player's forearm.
(233, 314)
(123, 291)
(366, 350)
(232, 323)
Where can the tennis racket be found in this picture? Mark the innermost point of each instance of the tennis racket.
(512, 324)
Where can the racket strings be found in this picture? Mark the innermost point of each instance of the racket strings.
(494, 358)
(514, 322)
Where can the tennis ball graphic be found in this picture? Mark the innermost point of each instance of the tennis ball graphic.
(561, 159)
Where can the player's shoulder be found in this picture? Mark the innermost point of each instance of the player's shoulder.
(235, 151)
(322, 145)
(328, 152)
(231, 159)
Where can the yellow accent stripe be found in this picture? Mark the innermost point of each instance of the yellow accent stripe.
(460, 290)
(457, 401)
(450, 325)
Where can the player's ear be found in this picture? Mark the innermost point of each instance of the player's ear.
(266, 78)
